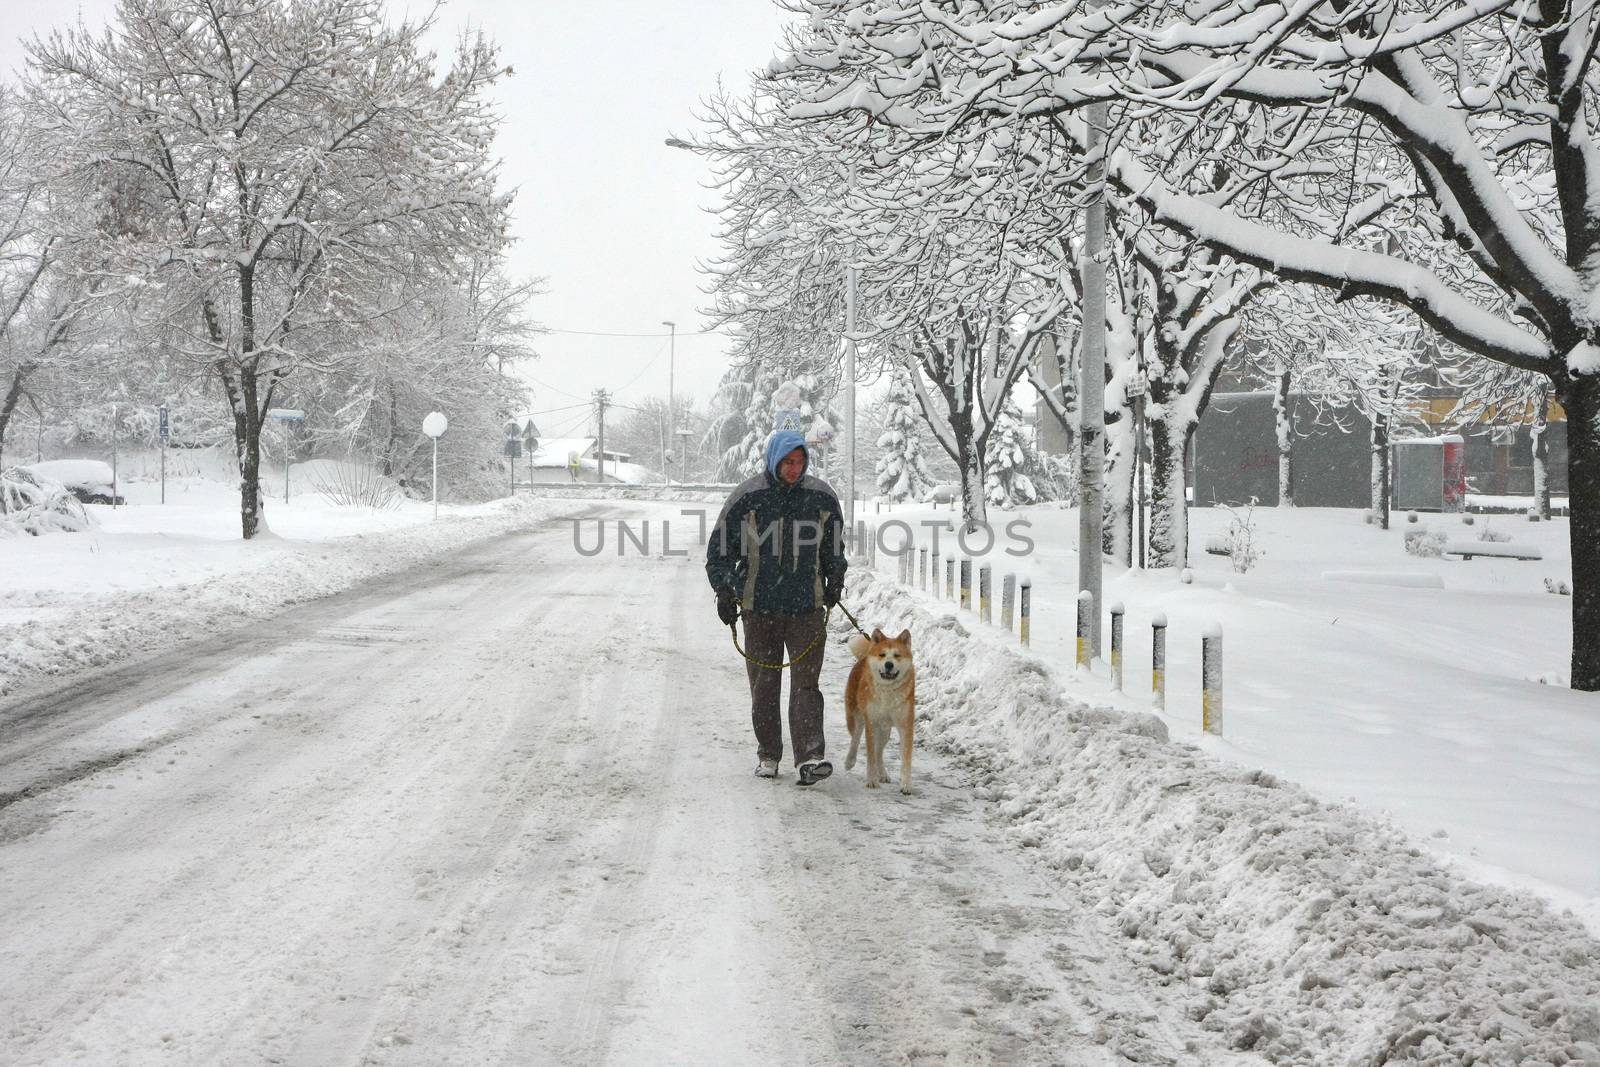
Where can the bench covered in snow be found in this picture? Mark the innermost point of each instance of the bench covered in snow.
(1500, 549)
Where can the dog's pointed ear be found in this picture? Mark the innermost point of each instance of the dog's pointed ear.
(905, 635)
(877, 635)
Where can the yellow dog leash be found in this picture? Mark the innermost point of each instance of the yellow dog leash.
(733, 632)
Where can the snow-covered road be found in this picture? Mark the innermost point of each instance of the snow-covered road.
(498, 809)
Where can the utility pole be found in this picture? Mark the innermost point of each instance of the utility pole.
(850, 399)
(601, 399)
(672, 425)
(1092, 380)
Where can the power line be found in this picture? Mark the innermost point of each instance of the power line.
(602, 333)
(582, 420)
(552, 411)
(553, 389)
(642, 370)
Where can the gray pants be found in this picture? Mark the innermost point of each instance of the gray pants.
(777, 639)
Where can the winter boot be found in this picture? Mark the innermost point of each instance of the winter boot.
(767, 768)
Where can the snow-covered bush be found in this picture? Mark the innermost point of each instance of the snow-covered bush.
(33, 504)
(1242, 549)
(1494, 536)
(1557, 586)
(1424, 542)
(353, 485)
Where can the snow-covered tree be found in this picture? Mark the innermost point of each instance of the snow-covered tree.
(902, 471)
(288, 158)
(1011, 456)
(1470, 124)
(956, 289)
(38, 300)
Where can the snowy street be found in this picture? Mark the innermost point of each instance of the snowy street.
(500, 810)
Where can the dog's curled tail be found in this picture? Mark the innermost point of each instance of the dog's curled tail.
(859, 646)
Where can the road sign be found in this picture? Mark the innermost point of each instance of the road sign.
(286, 414)
(435, 424)
(165, 428)
(514, 447)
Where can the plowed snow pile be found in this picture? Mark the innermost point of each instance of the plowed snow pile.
(1307, 932)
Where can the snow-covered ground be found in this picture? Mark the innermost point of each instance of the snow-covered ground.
(1308, 932)
(495, 806)
(1425, 704)
(500, 810)
(151, 574)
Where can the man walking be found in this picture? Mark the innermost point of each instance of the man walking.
(776, 556)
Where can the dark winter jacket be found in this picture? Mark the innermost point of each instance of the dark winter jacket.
(777, 547)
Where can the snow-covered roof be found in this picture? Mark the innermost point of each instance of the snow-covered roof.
(554, 452)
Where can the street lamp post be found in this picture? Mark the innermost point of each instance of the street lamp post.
(672, 352)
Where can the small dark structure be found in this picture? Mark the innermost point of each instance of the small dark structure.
(1236, 453)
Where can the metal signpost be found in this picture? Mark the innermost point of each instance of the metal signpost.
(530, 444)
(165, 433)
(114, 493)
(513, 434)
(434, 426)
(287, 416)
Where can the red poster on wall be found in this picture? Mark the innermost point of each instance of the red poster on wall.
(1455, 474)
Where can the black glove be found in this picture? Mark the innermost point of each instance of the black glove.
(727, 606)
(830, 593)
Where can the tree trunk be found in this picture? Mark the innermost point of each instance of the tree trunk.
(974, 510)
(1581, 397)
(242, 399)
(1169, 516)
(1541, 454)
(392, 443)
(9, 404)
(1285, 421)
(1380, 469)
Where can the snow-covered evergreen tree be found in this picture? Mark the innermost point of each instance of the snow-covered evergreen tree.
(902, 469)
(1006, 480)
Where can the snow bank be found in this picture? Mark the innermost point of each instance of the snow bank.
(1308, 933)
(258, 579)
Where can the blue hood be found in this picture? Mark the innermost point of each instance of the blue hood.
(781, 444)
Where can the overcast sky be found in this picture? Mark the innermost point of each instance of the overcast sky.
(606, 212)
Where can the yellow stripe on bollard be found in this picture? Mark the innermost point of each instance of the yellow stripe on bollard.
(1025, 611)
(1211, 679)
(1158, 661)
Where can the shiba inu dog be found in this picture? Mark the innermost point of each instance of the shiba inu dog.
(881, 693)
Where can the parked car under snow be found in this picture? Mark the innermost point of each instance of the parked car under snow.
(89, 480)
